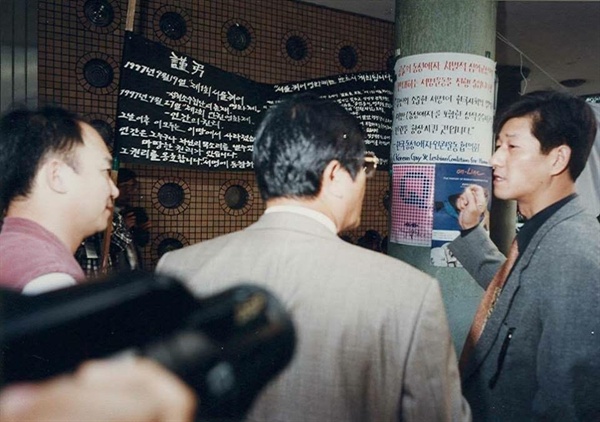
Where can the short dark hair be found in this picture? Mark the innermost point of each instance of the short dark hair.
(557, 119)
(27, 137)
(296, 140)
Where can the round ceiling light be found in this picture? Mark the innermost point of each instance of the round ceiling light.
(572, 83)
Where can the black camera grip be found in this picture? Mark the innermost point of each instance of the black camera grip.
(226, 346)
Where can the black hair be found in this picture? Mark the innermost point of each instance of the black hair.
(557, 119)
(297, 139)
(27, 138)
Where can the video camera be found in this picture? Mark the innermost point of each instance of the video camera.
(227, 346)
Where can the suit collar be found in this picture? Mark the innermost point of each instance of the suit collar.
(308, 212)
(532, 225)
(292, 221)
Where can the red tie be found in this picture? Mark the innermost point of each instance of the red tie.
(487, 303)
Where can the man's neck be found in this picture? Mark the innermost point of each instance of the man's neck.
(560, 190)
(22, 209)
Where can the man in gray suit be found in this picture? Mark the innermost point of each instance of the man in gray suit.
(373, 340)
(538, 354)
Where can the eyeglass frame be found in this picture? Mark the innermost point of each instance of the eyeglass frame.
(370, 162)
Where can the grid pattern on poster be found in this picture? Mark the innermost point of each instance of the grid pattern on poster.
(412, 204)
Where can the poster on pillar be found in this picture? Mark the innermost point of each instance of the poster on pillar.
(443, 109)
(442, 140)
(451, 180)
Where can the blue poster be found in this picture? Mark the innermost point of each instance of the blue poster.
(450, 182)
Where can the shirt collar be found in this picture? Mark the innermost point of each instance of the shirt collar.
(307, 212)
(531, 226)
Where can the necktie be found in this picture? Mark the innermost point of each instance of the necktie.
(486, 306)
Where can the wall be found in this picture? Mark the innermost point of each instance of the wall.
(73, 35)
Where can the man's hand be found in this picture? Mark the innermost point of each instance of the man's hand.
(130, 219)
(471, 204)
(136, 390)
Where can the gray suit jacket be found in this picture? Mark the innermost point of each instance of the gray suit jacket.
(539, 354)
(373, 339)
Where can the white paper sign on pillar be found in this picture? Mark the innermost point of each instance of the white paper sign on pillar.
(442, 141)
(443, 109)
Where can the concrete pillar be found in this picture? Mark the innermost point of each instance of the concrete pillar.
(462, 26)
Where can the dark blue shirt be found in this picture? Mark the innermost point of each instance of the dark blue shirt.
(531, 226)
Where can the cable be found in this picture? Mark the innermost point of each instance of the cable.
(522, 54)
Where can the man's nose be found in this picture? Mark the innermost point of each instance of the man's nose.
(496, 158)
(114, 190)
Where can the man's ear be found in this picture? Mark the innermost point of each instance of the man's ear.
(56, 175)
(333, 176)
(561, 156)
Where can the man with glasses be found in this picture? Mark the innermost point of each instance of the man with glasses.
(373, 340)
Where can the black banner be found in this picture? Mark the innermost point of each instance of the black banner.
(174, 110)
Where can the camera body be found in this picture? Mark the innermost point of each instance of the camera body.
(226, 346)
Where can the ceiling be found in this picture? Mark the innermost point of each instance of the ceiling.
(555, 40)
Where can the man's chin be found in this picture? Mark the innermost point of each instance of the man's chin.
(107, 217)
(502, 196)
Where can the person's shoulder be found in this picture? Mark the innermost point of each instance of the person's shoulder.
(579, 230)
(387, 269)
(566, 253)
(22, 243)
(385, 288)
(202, 248)
(371, 255)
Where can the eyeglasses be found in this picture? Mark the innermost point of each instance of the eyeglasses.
(370, 164)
